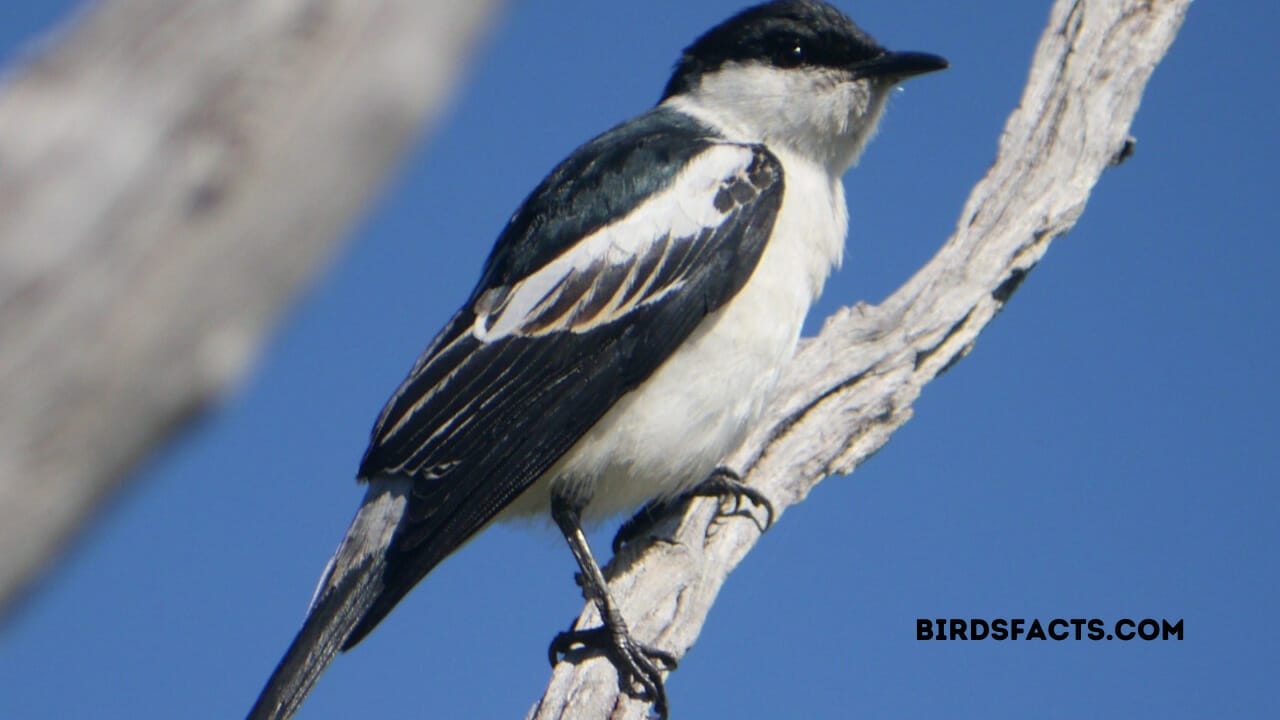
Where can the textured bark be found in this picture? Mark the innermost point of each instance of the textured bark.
(170, 174)
(854, 384)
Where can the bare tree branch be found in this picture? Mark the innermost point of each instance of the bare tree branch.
(854, 384)
(170, 175)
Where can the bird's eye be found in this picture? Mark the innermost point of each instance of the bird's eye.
(790, 53)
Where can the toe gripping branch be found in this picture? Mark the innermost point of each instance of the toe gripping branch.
(722, 483)
(639, 666)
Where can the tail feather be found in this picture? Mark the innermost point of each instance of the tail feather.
(349, 587)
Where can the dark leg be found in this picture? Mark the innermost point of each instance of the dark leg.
(637, 664)
(642, 522)
(722, 483)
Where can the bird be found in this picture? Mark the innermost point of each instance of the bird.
(627, 330)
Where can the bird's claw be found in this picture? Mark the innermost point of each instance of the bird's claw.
(722, 483)
(639, 666)
(727, 484)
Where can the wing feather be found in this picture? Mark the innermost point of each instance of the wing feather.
(550, 341)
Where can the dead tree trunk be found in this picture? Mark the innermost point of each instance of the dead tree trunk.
(854, 384)
(170, 174)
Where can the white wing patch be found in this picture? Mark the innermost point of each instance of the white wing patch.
(616, 269)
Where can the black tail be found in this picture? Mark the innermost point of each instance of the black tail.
(351, 584)
(319, 640)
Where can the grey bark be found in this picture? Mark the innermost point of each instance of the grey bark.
(170, 174)
(853, 385)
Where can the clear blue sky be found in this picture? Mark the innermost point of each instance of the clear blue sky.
(1108, 450)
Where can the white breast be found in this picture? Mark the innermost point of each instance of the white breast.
(669, 433)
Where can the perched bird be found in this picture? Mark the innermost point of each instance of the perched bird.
(627, 329)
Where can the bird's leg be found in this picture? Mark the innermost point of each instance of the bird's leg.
(722, 483)
(637, 664)
(642, 522)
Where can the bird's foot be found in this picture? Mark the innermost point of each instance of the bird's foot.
(726, 484)
(722, 483)
(639, 666)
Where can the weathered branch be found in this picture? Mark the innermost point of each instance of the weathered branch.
(170, 174)
(853, 385)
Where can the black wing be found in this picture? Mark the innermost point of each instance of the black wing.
(604, 271)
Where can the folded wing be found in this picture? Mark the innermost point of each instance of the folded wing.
(605, 270)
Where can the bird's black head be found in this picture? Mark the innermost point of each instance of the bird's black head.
(783, 34)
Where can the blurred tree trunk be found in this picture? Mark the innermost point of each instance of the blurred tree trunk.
(171, 173)
(854, 384)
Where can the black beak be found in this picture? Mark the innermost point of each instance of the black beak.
(900, 65)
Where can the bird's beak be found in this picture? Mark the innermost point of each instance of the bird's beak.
(896, 66)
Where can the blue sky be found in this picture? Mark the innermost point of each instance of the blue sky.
(1108, 450)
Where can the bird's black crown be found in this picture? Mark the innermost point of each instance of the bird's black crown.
(786, 34)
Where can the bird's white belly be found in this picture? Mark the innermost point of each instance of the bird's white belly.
(697, 407)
